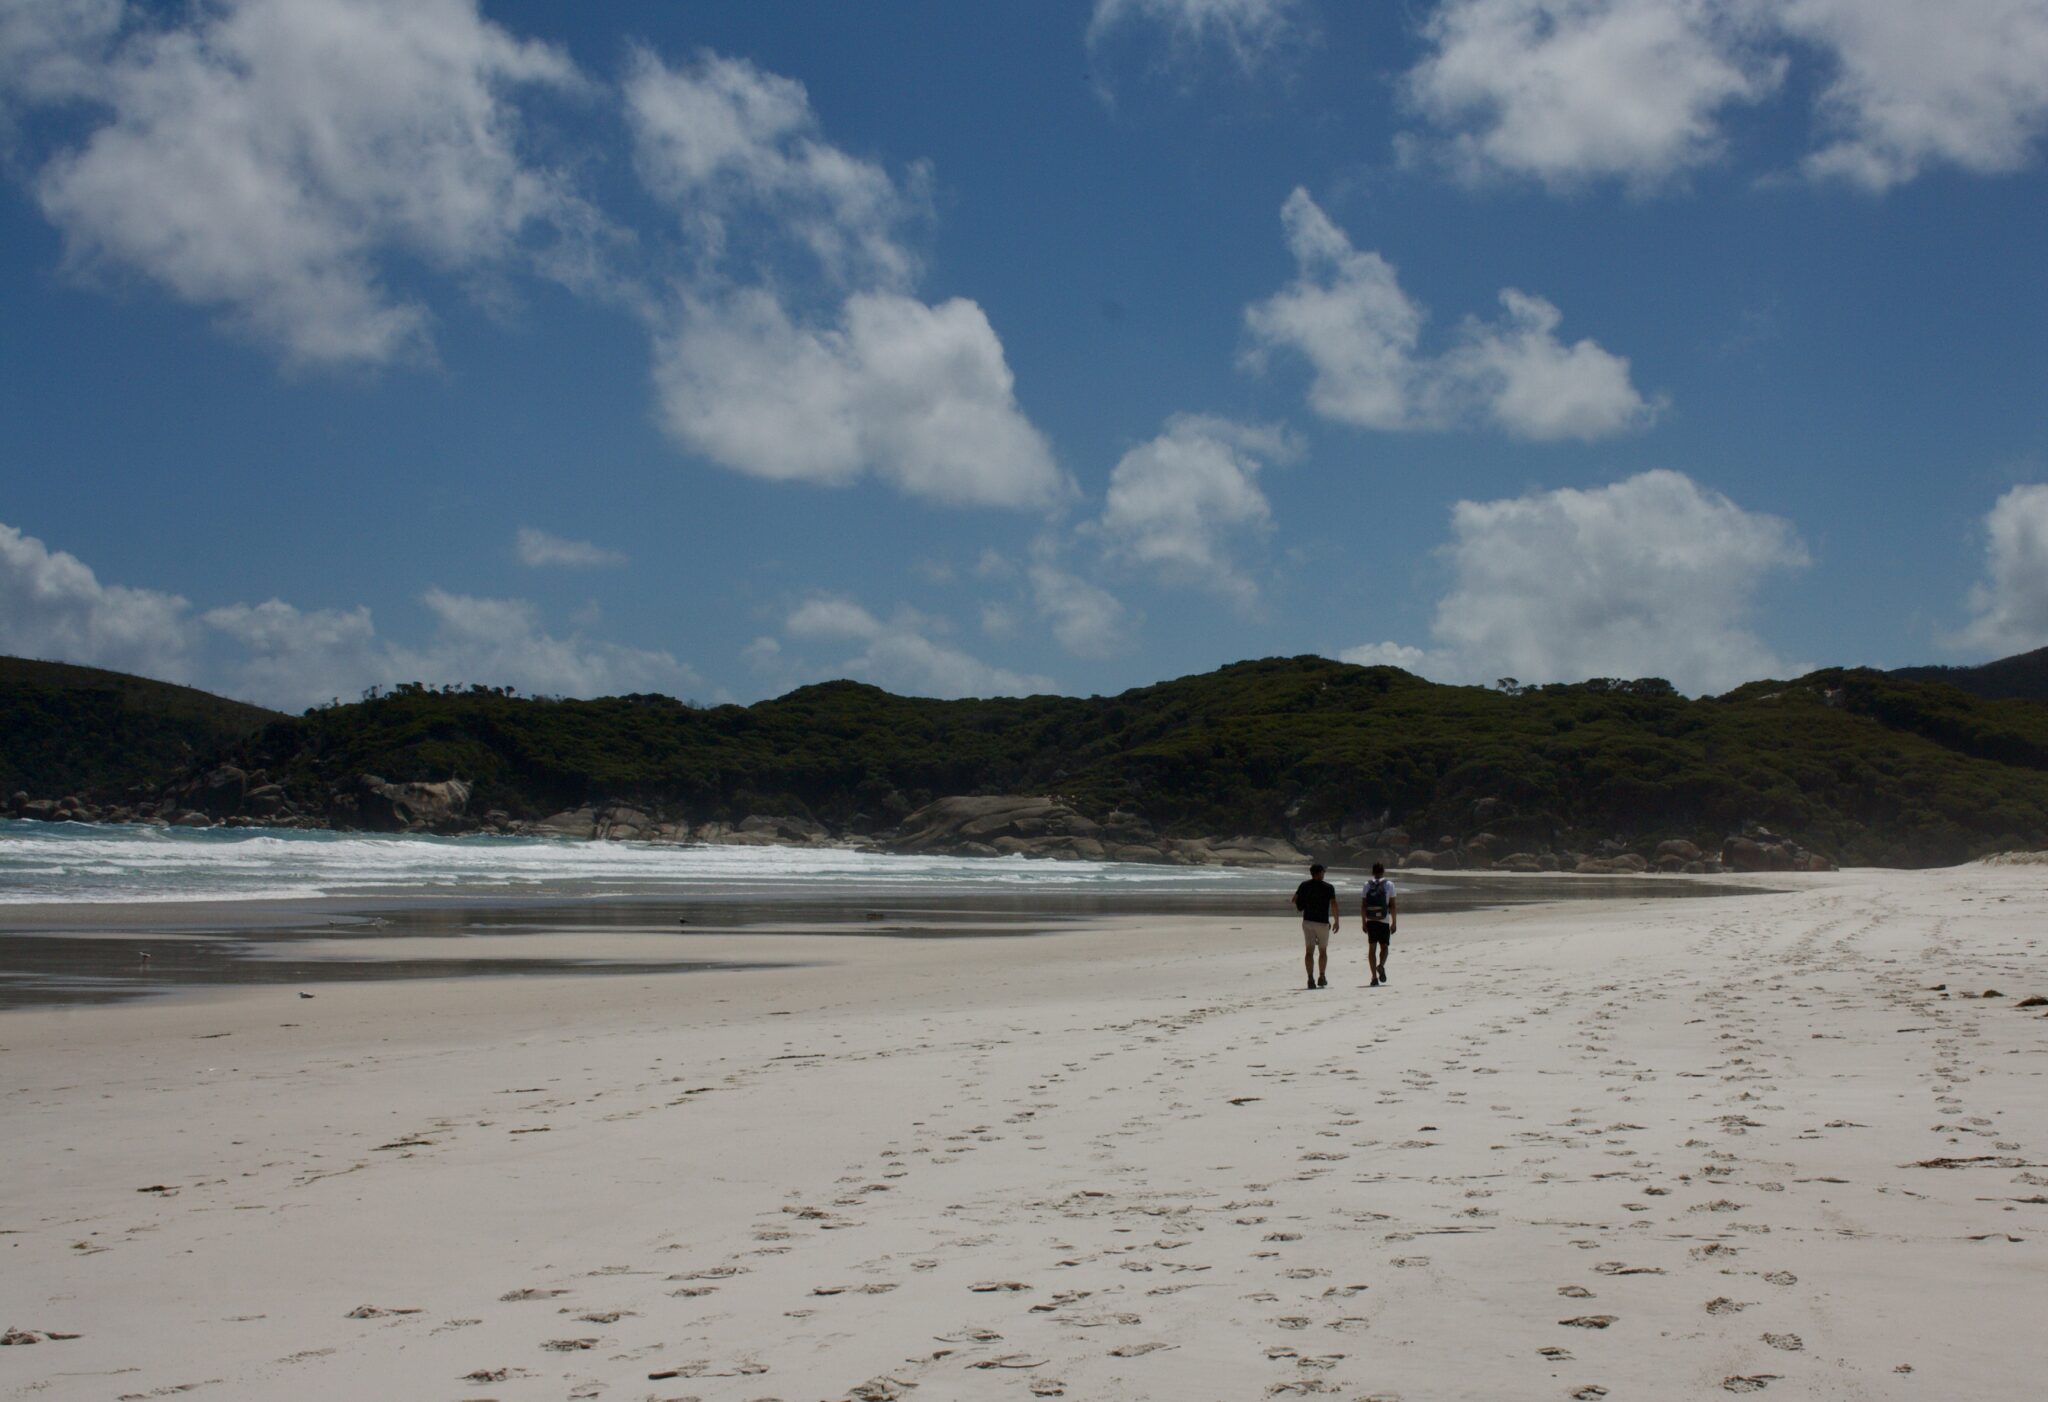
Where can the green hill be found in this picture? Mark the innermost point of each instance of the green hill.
(79, 730)
(2023, 677)
(1862, 766)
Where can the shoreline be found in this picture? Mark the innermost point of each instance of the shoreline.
(106, 953)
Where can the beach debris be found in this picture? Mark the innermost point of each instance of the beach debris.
(1138, 1350)
(569, 1345)
(1970, 1161)
(1244, 1099)
(1990, 993)
(15, 1338)
(1588, 1321)
(164, 1188)
(376, 1312)
(880, 1389)
(2034, 1002)
(494, 1375)
(969, 1336)
(403, 1144)
(1048, 1387)
(512, 1297)
(987, 1287)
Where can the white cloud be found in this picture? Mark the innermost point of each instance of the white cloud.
(828, 616)
(1652, 576)
(720, 138)
(1569, 90)
(2011, 603)
(870, 382)
(1914, 84)
(1176, 502)
(54, 608)
(899, 654)
(1408, 659)
(1345, 313)
(293, 657)
(538, 549)
(267, 157)
(1087, 620)
(1532, 385)
(1249, 31)
(919, 396)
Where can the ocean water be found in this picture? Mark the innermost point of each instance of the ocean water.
(74, 863)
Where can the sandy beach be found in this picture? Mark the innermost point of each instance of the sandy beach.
(1622, 1149)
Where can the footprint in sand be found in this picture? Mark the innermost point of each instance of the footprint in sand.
(1790, 1343)
(1721, 1304)
(513, 1296)
(1749, 1382)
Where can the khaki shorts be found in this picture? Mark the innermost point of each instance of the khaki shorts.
(1317, 933)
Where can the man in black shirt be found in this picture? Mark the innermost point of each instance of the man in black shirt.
(1316, 899)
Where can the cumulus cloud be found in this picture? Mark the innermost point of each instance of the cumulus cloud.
(1086, 619)
(1567, 91)
(919, 396)
(1915, 85)
(1248, 31)
(269, 158)
(292, 657)
(539, 549)
(2010, 605)
(900, 654)
(722, 140)
(1177, 502)
(829, 371)
(1346, 314)
(54, 607)
(1652, 576)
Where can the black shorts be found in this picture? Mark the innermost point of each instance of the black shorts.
(1378, 931)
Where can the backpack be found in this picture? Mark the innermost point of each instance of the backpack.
(1376, 898)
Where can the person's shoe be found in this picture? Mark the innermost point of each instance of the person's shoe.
(1322, 983)
(1311, 985)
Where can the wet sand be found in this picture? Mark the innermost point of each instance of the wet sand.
(86, 952)
(1630, 1148)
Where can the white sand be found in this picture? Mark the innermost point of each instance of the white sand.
(1126, 1163)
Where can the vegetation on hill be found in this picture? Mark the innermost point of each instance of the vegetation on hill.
(2023, 677)
(1863, 766)
(75, 730)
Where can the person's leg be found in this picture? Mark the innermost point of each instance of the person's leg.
(1308, 952)
(1322, 963)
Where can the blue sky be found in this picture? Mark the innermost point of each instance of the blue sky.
(717, 348)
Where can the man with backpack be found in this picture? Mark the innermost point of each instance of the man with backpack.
(1379, 912)
(1316, 899)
